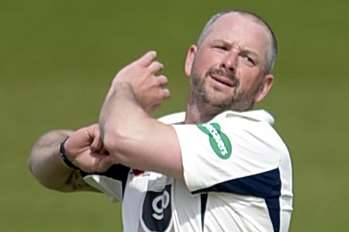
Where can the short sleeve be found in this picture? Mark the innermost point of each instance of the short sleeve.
(112, 182)
(227, 149)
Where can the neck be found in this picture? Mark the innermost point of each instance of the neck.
(199, 112)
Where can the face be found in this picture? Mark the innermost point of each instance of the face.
(227, 69)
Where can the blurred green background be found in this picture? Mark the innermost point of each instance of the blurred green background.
(57, 59)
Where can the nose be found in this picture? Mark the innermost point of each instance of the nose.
(230, 60)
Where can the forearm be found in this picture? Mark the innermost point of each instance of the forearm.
(122, 121)
(136, 139)
(120, 112)
(46, 165)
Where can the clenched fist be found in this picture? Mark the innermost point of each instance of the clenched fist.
(84, 148)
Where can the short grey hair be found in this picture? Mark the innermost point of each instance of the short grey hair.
(272, 50)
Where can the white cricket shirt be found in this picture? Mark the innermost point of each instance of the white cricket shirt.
(237, 177)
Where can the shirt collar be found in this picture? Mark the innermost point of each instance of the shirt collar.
(256, 115)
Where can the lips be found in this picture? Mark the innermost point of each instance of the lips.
(224, 80)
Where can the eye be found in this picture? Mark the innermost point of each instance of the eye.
(221, 47)
(249, 60)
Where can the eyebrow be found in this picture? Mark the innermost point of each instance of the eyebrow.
(242, 49)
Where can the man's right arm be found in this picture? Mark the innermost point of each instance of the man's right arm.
(47, 166)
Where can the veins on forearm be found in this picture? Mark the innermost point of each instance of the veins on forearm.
(125, 93)
(118, 102)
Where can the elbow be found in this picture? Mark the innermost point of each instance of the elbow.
(38, 176)
(112, 141)
(32, 169)
(41, 179)
(109, 135)
(121, 144)
(43, 175)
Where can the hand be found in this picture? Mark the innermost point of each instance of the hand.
(148, 85)
(85, 149)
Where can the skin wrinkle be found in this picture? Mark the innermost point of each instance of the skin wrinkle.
(272, 46)
(221, 79)
(231, 58)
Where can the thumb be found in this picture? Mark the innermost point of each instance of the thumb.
(97, 143)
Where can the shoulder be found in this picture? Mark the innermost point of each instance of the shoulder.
(255, 127)
(253, 116)
(173, 118)
(250, 123)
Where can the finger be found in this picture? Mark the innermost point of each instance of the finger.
(162, 95)
(165, 93)
(155, 67)
(147, 58)
(162, 80)
(96, 144)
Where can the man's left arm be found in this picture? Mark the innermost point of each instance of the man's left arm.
(128, 131)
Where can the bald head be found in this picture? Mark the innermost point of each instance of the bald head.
(272, 47)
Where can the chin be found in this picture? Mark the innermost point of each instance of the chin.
(218, 97)
(222, 103)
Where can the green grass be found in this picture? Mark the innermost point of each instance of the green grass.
(58, 58)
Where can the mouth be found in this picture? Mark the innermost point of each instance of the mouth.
(223, 80)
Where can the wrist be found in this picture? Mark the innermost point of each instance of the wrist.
(64, 158)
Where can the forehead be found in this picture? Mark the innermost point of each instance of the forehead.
(242, 30)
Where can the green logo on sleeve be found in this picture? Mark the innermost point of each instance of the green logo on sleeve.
(219, 141)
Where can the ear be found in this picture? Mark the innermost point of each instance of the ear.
(190, 59)
(265, 87)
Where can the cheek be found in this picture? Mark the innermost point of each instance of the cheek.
(249, 80)
(205, 60)
(199, 67)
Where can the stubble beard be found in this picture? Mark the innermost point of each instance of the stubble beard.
(204, 98)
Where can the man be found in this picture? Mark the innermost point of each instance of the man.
(217, 167)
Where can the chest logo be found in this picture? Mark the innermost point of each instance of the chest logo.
(219, 141)
(156, 211)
